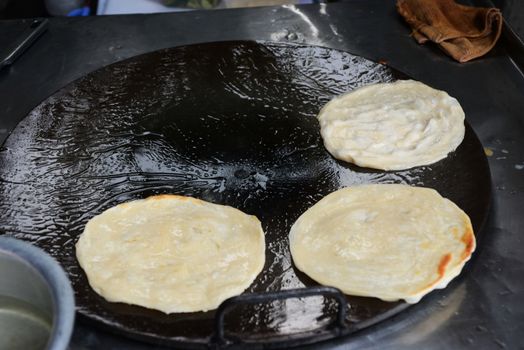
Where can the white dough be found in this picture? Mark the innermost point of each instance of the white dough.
(171, 253)
(387, 241)
(392, 126)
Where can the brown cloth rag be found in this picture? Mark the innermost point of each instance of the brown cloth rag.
(463, 32)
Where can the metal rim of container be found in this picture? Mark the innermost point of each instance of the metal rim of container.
(59, 286)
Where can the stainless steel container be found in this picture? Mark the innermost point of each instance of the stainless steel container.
(37, 307)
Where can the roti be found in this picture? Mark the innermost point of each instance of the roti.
(171, 253)
(388, 241)
(392, 126)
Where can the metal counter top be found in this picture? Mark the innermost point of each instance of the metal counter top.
(483, 308)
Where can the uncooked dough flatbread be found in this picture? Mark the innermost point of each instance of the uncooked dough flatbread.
(171, 253)
(392, 126)
(387, 241)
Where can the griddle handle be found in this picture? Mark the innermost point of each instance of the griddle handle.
(339, 324)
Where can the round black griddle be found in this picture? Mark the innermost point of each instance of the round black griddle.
(231, 123)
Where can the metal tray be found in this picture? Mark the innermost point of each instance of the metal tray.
(231, 123)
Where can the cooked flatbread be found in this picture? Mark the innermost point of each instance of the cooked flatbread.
(171, 253)
(387, 241)
(392, 126)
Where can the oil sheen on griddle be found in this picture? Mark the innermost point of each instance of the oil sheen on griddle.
(231, 123)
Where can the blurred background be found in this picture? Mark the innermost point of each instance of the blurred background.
(513, 10)
(45, 8)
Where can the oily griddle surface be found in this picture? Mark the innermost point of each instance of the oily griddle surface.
(231, 123)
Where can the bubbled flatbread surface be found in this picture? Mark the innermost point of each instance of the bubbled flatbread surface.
(171, 253)
(392, 126)
(387, 241)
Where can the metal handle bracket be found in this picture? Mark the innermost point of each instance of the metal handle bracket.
(338, 325)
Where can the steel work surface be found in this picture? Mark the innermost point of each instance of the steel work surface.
(481, 309)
